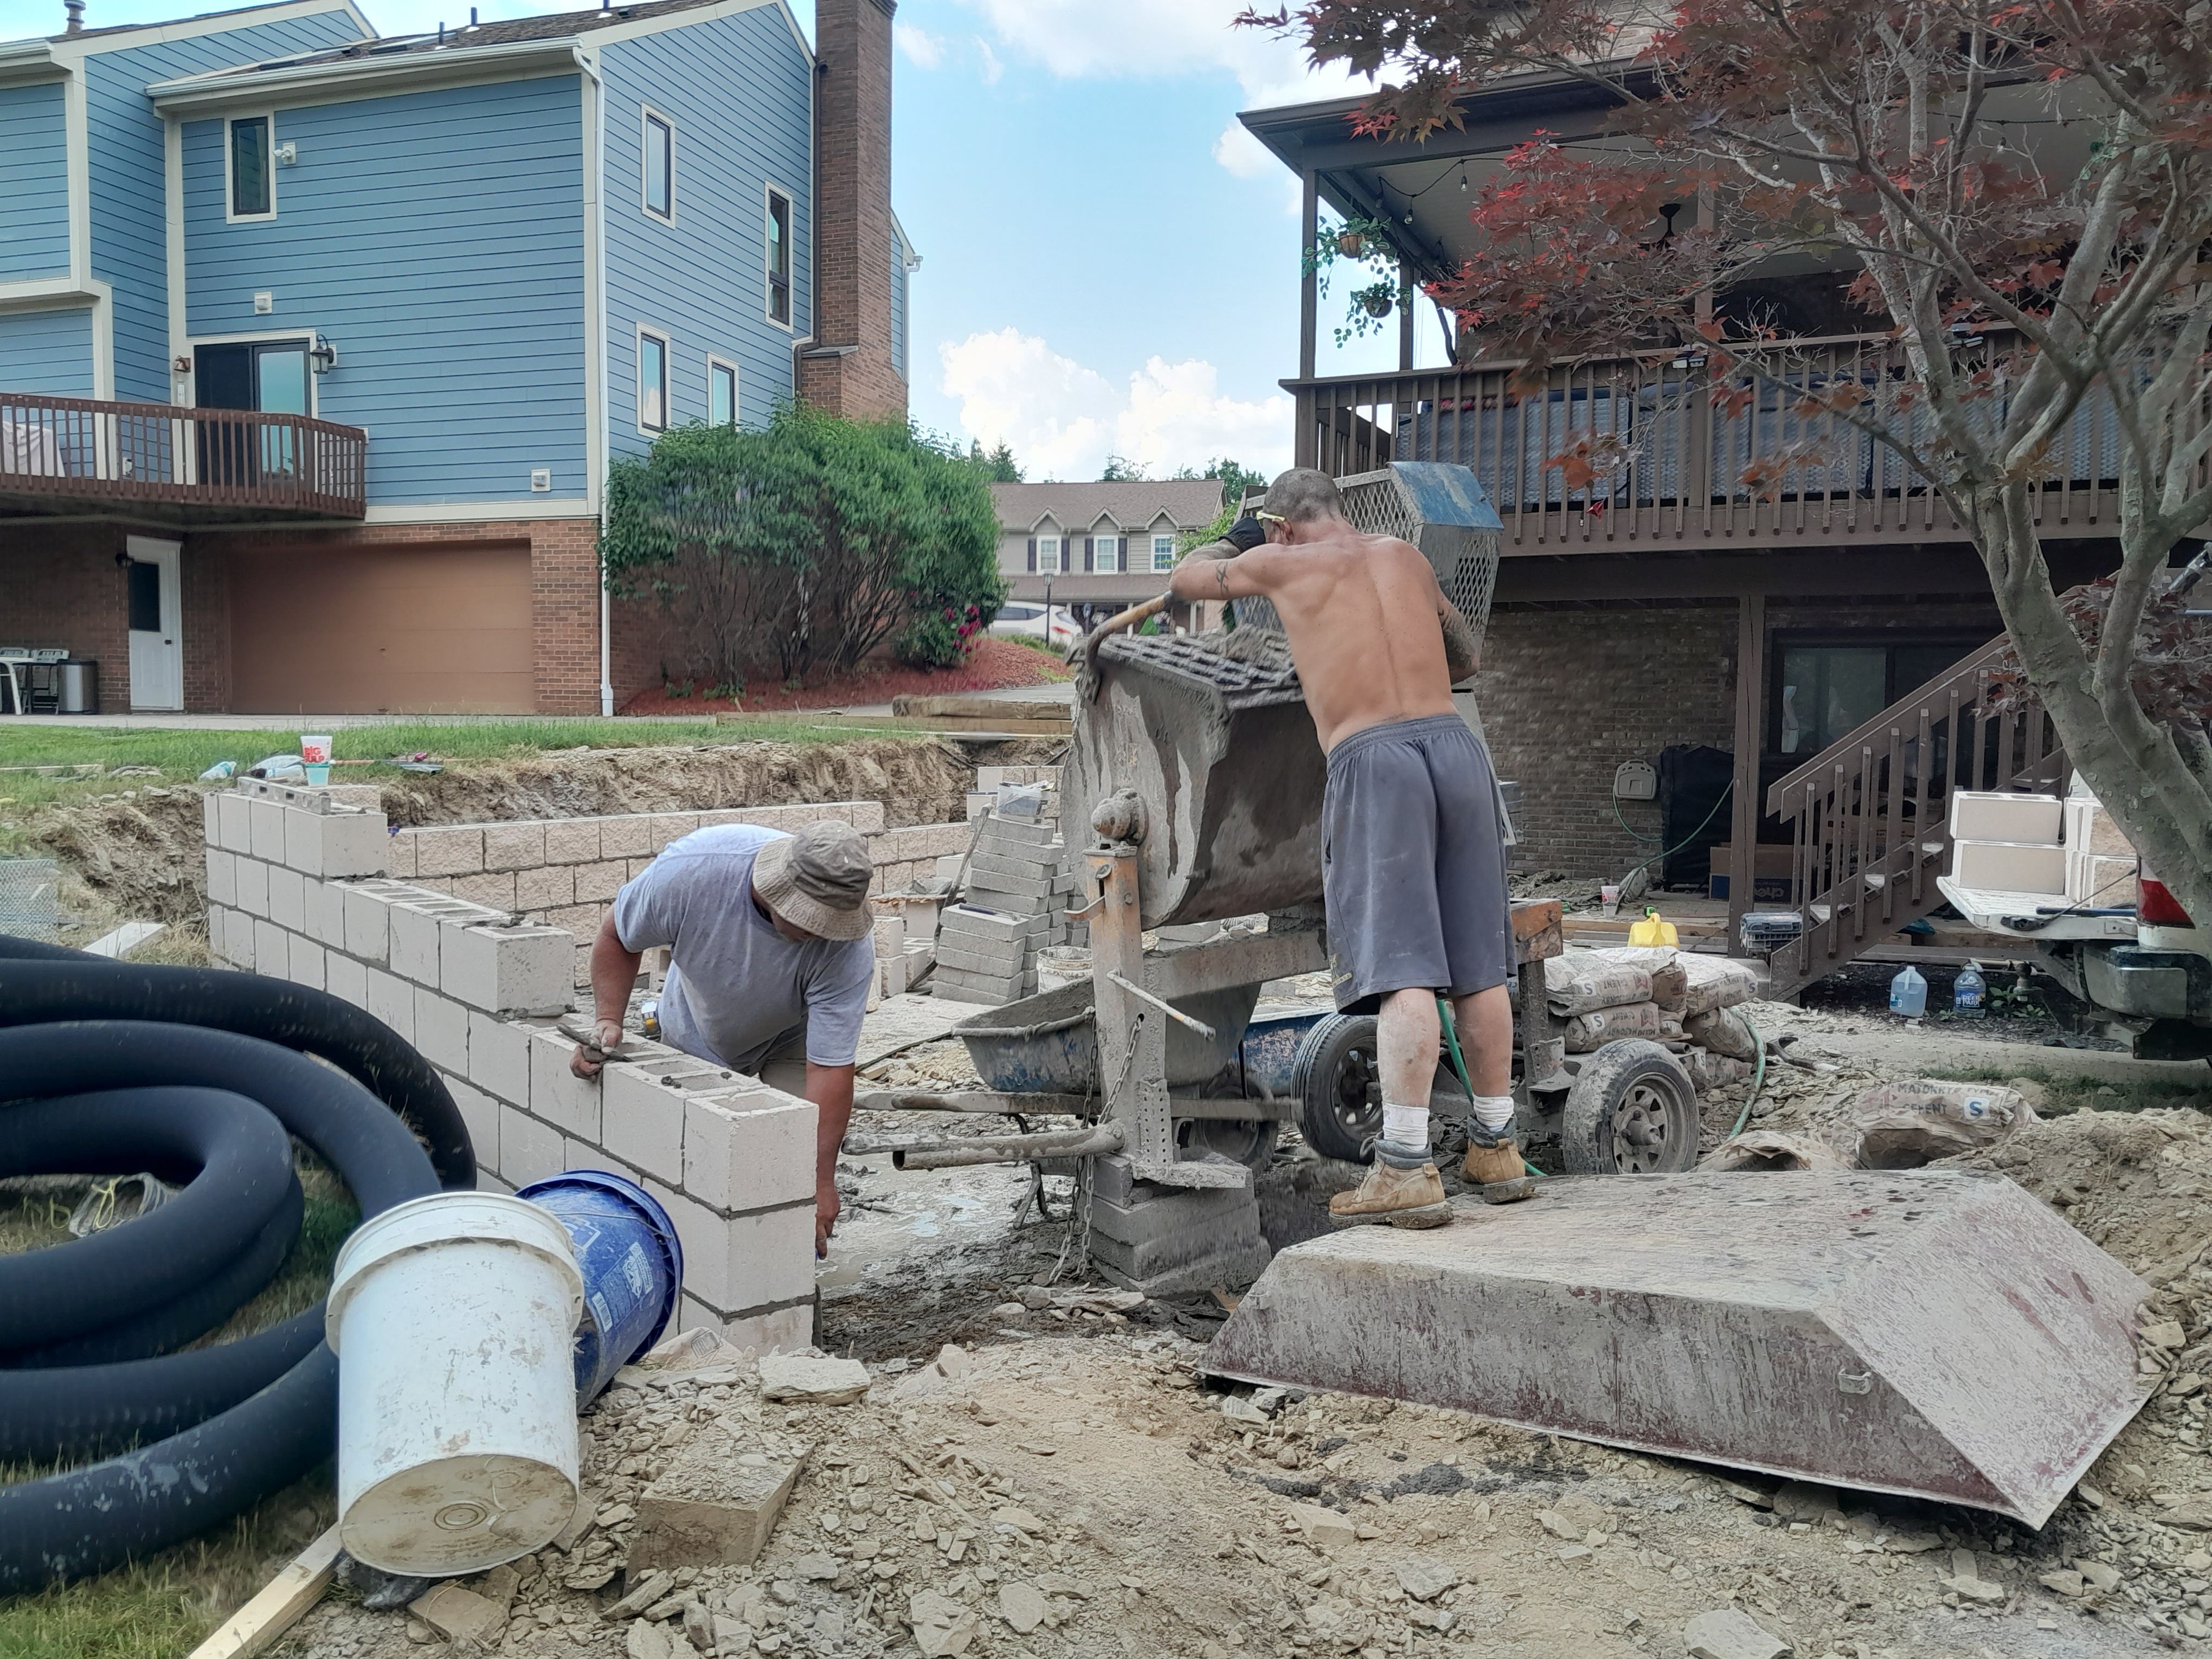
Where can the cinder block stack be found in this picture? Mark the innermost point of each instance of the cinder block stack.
(1019, 883)
(986, 956)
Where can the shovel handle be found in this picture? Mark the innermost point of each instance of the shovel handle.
(1120, 619)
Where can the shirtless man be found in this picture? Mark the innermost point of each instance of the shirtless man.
(1412, 863)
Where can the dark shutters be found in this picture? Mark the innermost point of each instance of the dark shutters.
(1033, 556)
(1088, 543)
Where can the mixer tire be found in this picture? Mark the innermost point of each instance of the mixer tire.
(1632, 1111)
(1250, 1141)
(1338, 1081)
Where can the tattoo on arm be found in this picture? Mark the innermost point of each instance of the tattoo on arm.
(1462, 655)
(1221, 576)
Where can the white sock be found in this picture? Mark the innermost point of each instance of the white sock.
(1493, 1112)
(1406, 1126)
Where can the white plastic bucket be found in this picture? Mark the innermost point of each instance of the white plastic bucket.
(451, 1317)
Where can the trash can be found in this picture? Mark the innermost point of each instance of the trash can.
(80, 687)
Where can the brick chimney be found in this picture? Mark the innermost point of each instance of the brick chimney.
(848, 368)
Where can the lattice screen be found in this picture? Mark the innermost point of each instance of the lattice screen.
(30, 898)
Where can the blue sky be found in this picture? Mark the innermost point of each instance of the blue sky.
(1109, 265)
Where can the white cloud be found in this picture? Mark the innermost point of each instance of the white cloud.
(922, 49)
(993, 68)
(1080, 40)
(1064, 419)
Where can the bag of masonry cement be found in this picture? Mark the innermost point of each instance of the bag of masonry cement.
(1721, 1030)
(1709, 1071)
(1580, 981)
(1588, 1033)
(1904, 1125)
(1670, 981)
(1716, 982)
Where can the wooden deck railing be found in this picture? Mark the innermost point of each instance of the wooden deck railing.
(233, 463)
(1687, 443)
(1870, 813)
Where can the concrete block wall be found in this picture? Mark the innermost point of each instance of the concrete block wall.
(302, 894)
(565, 871)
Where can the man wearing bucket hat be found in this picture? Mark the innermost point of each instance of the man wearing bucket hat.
(771, 954)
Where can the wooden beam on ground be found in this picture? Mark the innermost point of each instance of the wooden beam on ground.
(1000, 709)
(283, 1602)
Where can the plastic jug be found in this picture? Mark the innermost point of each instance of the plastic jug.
(1908, 994)
(1652, 930)
(1968, 991)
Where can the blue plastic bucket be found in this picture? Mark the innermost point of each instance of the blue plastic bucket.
(632, 1264)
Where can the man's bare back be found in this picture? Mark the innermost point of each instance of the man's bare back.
(1372, 634)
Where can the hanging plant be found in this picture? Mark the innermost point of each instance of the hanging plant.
(1365, 244)
(1352, 244)
(1379, 301)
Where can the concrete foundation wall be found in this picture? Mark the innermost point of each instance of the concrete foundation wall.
(306, 894)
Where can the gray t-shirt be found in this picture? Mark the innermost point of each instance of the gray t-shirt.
(735, 985)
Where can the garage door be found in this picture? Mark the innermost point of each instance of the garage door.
(362, 630)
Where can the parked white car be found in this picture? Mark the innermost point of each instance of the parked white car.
(1019, 620)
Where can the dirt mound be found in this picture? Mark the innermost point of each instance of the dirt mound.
(139, 856)
(2134, 1183)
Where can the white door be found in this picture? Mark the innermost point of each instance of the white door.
(157, 624)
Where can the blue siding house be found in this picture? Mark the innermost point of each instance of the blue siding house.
(315, 346)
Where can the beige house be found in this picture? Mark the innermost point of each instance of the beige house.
(1102, 545)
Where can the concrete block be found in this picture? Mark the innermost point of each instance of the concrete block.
(288, 899)
(946, 988)
(980, 922)
(980, 801)
(746, 1261)
(748, 1148)
(221, 875)
(513, 846)
(950, 958)
(233, 821)
(400, 856)
(1979, 815)
(1021, 831)
(304, 960)
(326, 913)
(499, 1058)
(669, 826)
(346, 979)
(547, 887)
(272, 949)
(865, 815)
(519, 970)
(557, 1094)
(218, 931)
(950, 866)
(641, 1119)
(638, 866)
(414, 941)
(392, 999)
(572, 841)
(489, 1183)
(303, 841)
(250, 878)
(711, 1508)
(1997, 867)
(596, 883)
(889, 933)
(441, 1030)
(1152, 1214)
(892, 975)
(448, 850)
(481, 1113)
(781, 1330)
(368, 922)
(627, 835)
(528, 1150)
(266, 820)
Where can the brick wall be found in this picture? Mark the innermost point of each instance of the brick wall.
(301, 893)
(852, 214)
(62, 588)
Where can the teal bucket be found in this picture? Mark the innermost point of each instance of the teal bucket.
(632, 1263)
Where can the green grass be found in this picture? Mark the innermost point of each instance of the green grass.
(181, 754)
(2074, 1093)
(164, 1606)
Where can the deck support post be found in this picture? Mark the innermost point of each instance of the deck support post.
(1750, 712)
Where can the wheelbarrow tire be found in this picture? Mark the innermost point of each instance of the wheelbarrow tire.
(1339, 1109)
(1250, 1141)
(1633, 1110)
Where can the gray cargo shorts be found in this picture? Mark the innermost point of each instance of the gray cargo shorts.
(1414, 863)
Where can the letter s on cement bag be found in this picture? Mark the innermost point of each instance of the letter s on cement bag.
(1588, 1033)
(1578, 981)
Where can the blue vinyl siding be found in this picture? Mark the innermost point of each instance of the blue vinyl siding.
(129, 228)
(48, 352)
(33, 183)
(436, 240)
(737, 90)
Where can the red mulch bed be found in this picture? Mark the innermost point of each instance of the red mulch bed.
(993, 665)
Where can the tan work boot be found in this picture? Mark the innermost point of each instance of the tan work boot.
(1401, 1197)
(1489, 1165)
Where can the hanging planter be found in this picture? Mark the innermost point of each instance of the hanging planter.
(1352, 244)
(1377, 302)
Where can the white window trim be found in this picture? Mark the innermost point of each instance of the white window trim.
(1096, 552)
(737, 386)
(1157, 552)
(769, 191)
(306, 336)
(646, 331)
(230, 216)
(1058, 567)
(647, 115)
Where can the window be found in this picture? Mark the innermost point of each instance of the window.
(1106, 554)
(652, 382)
(253, 183)
(659, 167)
(1048, 555)
(1019, 612)
(1825, 690)
(722, 393)
(1163, 556)
(779, 257)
